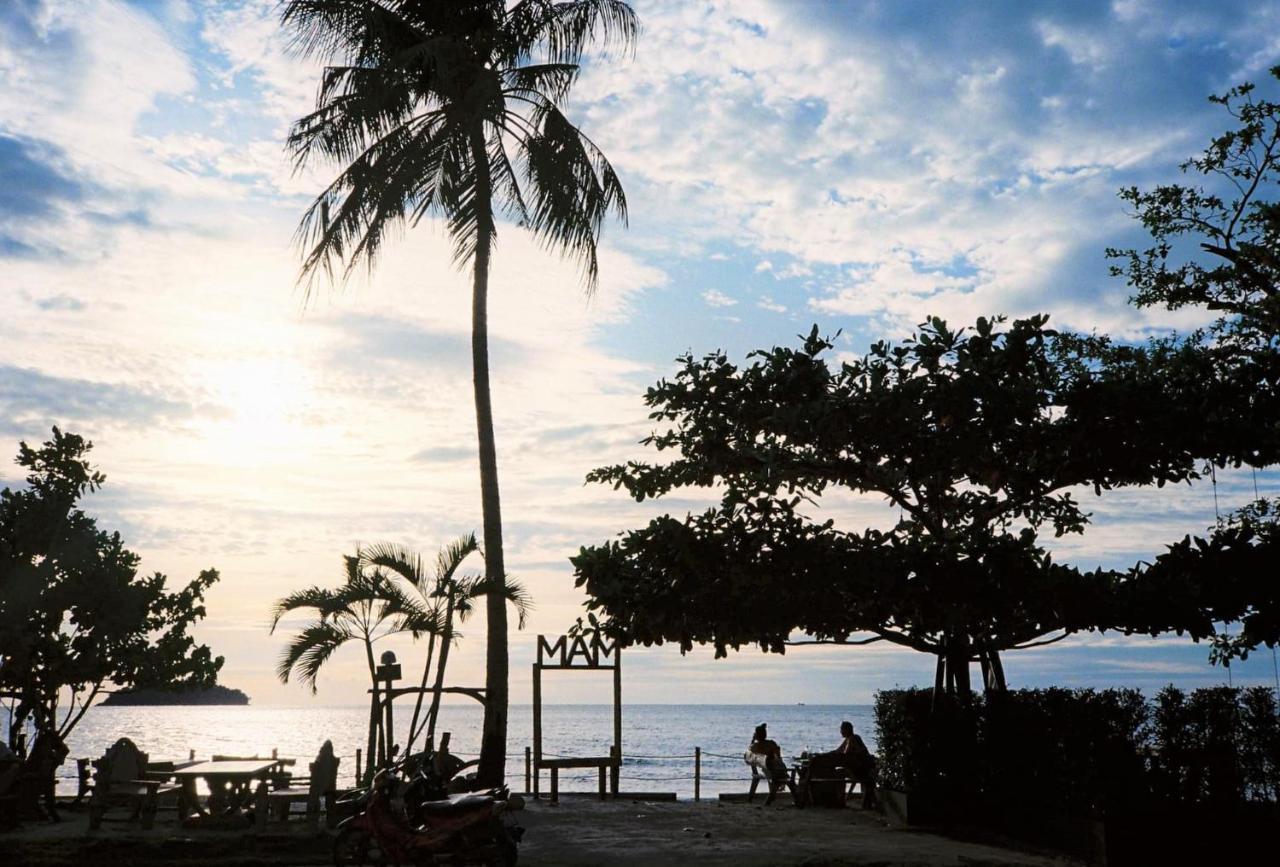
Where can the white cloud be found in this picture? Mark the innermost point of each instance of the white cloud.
(716, 298)
(767, 303)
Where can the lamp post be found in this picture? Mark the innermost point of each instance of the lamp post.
(385, 673)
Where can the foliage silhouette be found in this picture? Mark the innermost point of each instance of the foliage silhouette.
(449, 596)
(75, 614)
(454, 110)
(367, 607)
(980, 439)
(1231, 216)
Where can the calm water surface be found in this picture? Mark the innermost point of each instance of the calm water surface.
(657, 740)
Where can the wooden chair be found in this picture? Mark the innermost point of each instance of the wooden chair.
(84, 780)
(320, 786)
(771, 769)
(122, 780)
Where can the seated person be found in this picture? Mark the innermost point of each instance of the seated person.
(764, 755)
(851, 759)
(760, 743)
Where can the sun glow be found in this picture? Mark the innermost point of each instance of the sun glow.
(263, 407)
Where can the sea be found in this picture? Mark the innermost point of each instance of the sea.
(658, 740)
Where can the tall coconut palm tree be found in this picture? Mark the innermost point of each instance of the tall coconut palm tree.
(452, 108)
(449, 596)
(367, 607)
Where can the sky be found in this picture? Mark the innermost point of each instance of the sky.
(858, 166)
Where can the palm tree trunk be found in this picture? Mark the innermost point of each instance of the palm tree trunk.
(446, 640)
(417, 705)
(493, 744)
(375, 718)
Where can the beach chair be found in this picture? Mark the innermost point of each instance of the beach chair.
(320, 787)
(122, 780)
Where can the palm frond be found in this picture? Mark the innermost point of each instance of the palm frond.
(552, 80)
(309, 650)
(449, 559)
(355, 30)
(565, 29)
(416, 105)
(397, 559)
(510, 588)
(325, 602)
(571, 186)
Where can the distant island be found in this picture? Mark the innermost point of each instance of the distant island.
(212, 695)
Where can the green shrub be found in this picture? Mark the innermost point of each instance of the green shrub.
(1077, 751)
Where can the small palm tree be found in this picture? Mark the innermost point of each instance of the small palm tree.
(448, 595)
(367, 607)
(453, 109)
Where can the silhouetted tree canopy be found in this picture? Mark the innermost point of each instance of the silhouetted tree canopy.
(1216, 245)
(75, 613)
(978, 438)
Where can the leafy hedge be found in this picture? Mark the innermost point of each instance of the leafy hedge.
(1080, 751)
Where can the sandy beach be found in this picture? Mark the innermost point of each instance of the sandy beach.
(577, 833)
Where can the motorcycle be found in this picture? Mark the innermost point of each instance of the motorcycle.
(397, 821)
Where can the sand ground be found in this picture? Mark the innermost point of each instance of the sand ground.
(577, 833)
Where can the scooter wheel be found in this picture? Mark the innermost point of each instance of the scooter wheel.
(354, 847)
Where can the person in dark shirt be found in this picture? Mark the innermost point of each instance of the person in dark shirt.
(851, 760)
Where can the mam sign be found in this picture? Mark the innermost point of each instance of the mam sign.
(576, 653)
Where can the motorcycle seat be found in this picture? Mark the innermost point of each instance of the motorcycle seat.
(457, 803)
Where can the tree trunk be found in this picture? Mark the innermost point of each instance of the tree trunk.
(958, 651)
(997, 672)
(939, 681)
(493, 744)
(438, 687)
(422, 689)
(375, 720)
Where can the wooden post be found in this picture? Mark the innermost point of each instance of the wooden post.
(528, 769)
(260, 807)
(555, 785)
(537, 727)
(191, 755)
(391, 731)
(697, 773)
(359, 776)
(617, 718)
(275, 752)
(602, 786)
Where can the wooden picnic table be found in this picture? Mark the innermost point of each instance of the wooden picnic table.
(230, 783)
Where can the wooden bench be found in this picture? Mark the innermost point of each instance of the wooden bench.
(604, 763)
(320, 786)
(122, 779)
